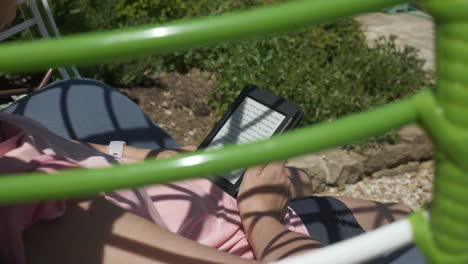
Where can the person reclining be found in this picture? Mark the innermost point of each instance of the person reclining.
(191, 221)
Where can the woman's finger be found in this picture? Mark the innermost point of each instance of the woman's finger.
(256, 170)
(275, 167)
(189, 148)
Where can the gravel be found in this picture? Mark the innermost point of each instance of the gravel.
(413, 189)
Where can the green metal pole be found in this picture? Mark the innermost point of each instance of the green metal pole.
(158, 39)
(444, 239)
(76, 183)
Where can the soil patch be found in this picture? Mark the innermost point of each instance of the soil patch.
(179, 104)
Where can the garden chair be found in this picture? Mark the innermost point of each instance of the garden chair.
(440, 231)
(39, 21)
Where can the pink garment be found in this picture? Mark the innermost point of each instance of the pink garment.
(203, 213)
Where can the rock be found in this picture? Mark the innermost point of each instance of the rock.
(338, 167)
(333, 168)
(315, 166)
(402, 169)
(413, 134)
(389, 156)
(413, 189)
(386, 156)
(344, 167)
(428, 165)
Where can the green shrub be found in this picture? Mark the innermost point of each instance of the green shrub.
(328, 70)
(74, 16)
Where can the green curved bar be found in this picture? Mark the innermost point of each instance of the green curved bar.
(157, 39)
(68, 184)
(444, 237)
(424, 239)
(446, 135)
(448, 10)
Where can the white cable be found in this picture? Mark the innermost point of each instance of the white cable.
(361, 248)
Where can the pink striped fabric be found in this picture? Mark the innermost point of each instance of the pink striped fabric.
(196, 209)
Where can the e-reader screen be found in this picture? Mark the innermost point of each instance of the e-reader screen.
(251, 121)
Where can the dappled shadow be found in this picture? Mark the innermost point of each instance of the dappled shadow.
(99, 233)
(235, 128)
(199, 207)
(330, 220)
(83, 235)
(93, 111)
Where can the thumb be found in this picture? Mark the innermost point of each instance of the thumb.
(255, 170)
(189, 148)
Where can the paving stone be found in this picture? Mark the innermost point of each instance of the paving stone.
(411, 30)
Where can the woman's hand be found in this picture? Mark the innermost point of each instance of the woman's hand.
(301, 185)
(262, 202)
(264, 191)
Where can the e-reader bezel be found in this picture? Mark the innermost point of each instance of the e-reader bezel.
(293, 115)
